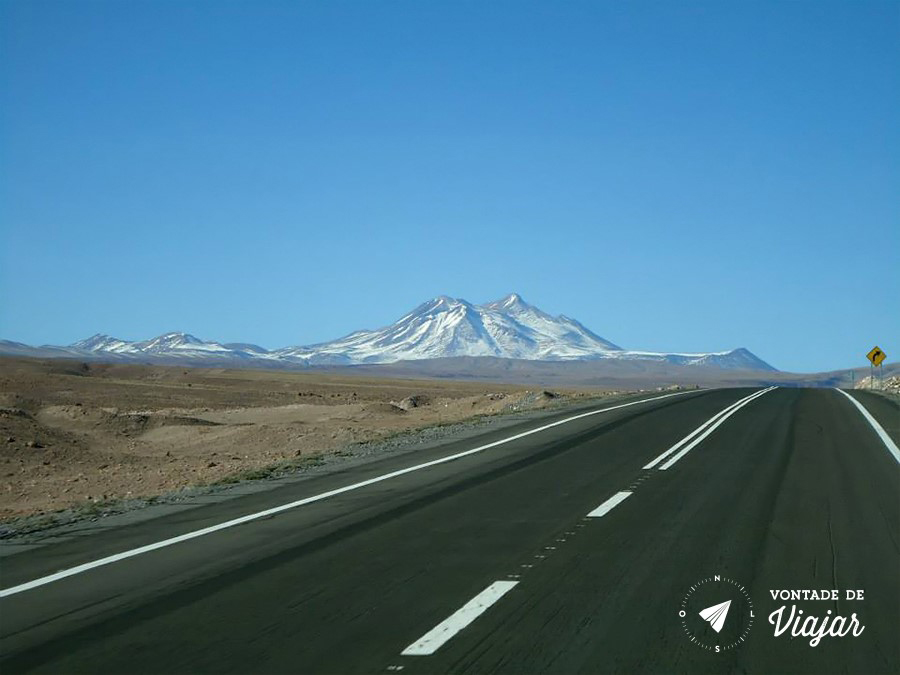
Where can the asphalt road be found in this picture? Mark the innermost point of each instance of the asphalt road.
(557, 551)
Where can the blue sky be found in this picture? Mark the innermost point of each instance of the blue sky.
(676, 175)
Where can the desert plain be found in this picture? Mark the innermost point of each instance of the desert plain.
(76, 434)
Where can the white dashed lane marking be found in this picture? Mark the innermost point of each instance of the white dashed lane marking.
(446, 629)
(609, 504)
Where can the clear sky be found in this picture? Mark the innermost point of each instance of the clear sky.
(676, 175)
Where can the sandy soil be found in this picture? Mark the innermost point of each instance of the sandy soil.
(73, 434)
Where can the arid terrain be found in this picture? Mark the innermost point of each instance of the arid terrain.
(75, 434)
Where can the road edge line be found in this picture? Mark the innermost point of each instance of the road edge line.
(882, 434)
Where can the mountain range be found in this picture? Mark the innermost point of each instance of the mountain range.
(440, 328)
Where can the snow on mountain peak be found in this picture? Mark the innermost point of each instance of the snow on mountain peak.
(169, 341)
(96, 342)
(511, 301)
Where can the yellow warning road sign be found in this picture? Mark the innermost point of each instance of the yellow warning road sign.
(876, 356)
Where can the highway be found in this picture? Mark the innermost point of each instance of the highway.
(571, 543)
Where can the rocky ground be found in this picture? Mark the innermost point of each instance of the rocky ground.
(890, 384)
(76, 435)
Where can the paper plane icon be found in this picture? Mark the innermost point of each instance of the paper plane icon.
(716, 614)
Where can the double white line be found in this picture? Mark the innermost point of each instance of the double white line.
(697, 436)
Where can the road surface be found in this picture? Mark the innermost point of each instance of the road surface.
(575, 543)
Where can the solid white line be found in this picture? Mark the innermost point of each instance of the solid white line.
(703, 426)
(446, 629)
(609, 505)
(882, 434)
(715, 426)
(62, 574)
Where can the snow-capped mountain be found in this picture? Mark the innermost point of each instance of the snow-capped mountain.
(443, 327)
(734, 359)
(508, 328)
(104, 343)
(168, 345)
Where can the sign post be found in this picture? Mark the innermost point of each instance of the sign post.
(876, 357)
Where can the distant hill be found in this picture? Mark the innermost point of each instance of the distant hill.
(441, 328)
